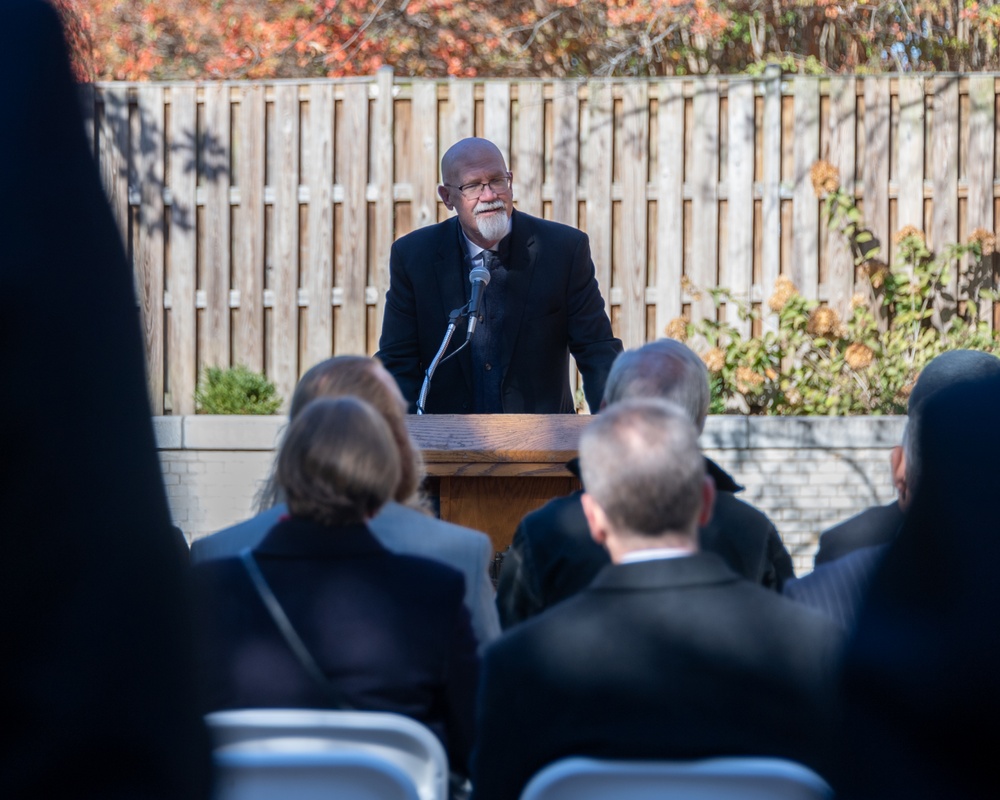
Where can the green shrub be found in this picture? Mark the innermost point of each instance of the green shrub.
(815, 362)
(236, 390)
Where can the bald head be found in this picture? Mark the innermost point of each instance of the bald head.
(478, 165)
(469, 153)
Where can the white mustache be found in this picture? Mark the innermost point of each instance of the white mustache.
(493, 205)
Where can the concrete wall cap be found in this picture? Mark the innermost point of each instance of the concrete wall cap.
(233, 432)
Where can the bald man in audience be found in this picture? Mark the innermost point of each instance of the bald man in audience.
(553, 555)
(668, 654)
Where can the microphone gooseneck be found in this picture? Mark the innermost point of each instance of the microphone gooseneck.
(479, 277)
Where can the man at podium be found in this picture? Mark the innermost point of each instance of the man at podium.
(532, 290)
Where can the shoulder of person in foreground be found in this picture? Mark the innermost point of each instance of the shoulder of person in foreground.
(230, 541)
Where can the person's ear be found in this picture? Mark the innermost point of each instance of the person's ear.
(897, 459)
(707, 501)
(445, 194)
(597, 520)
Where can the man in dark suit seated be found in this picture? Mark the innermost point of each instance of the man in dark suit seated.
(542, 302)
(838, 586)
(553, 556)
(668, 654)
(880, 524)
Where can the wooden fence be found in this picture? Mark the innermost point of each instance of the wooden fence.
(259, 216)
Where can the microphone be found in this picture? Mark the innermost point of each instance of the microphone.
(479, 276)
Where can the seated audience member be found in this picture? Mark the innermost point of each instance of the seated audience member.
(381, 631)
(668, 654)
(837, 587)
(97, 677)
(553, 556)
(921, 697)
(880, 524)
(401, 525)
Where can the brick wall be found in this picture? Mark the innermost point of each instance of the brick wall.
(804, 473)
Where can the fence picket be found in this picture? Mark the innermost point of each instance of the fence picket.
(182, 367)
(669, 203)
(804, 269)
(630, 252)
(317, 271)
(841, 153)
(704, 180)
(350, 318)
(979, 169)
(214, 327)
(149, 254)
(737, 270)
(283, 272)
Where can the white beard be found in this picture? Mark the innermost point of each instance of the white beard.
(492, 227)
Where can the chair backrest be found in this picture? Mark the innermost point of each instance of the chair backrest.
(391, 737)
(580, 778)
(317, 775)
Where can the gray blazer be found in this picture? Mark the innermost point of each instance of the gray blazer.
(402, 530)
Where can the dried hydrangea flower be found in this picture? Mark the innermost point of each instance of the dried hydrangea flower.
(715, 359)
(825, 178)
(823, 321)
(858, 356)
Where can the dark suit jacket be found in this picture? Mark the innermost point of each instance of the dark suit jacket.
(96, 680)
(553, 308)
(553, 556)
(391, 632)
(873, 526)
(668, 659)
(837, 589)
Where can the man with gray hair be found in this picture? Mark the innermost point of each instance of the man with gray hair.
(553, 556)
(668, 653)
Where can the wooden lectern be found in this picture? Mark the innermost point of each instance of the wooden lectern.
(492, 469)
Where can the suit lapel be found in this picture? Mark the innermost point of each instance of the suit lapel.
(520, 270)
(452, 276)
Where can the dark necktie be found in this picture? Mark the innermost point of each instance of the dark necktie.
(486, 345)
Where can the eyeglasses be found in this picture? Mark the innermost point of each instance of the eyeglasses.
(473, 191)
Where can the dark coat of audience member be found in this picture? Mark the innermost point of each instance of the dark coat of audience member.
(837, 589)
(385, 631)
(390, 630)
(96, 681)
(920, 691)
(874, 526)
(552, 555)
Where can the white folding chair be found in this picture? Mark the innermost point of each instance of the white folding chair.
(580, 778)
(319, 775)
(392, 738)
